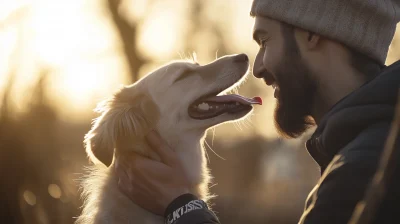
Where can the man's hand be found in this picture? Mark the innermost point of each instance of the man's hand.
(150, 184)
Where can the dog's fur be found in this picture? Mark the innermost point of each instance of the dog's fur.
(158, 103)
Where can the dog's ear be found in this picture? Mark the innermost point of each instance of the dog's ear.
(128, 114)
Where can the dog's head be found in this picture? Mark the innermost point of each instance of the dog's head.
(181, 97)
(192, 96)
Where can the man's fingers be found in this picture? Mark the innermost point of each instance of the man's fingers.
(124, 186)
(133, 165)
(132, 159)
(121, 170)
(161, 147)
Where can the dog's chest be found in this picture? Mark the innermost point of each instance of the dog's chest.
(194, 164)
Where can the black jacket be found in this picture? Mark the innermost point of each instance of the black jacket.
(347, 145)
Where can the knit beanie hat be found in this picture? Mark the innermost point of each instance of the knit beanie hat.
(367, 26)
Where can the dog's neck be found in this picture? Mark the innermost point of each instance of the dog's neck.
(190, 150)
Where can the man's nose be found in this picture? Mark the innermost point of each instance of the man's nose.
(258, 65)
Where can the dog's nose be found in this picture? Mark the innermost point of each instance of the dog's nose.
(241, 58)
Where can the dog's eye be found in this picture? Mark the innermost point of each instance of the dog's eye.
(183, 75)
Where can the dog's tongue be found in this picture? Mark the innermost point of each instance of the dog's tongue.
(235, 98)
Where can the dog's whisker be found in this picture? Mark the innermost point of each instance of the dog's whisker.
(213, 136)
(214, 151)
(236, 126)
(205, 152)
(236, 90)
(240, 125)
(180, 55)
(243, 124)
(194, 56)
(248, 123)
(213, 185)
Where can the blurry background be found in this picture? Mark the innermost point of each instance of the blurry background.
(59, 58)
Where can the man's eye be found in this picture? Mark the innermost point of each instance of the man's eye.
(263, 43)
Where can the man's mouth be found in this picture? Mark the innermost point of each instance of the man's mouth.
(276, 90)
(213, 106)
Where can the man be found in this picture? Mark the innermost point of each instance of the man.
(326, 62)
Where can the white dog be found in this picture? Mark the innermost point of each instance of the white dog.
(181, 101)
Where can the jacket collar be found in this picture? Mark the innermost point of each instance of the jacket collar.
(371, 103)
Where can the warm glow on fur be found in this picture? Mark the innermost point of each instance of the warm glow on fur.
(155, 102)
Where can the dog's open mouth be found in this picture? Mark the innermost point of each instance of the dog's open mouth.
(209, 107)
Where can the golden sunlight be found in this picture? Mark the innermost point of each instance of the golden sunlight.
(73, 41)
(78, 42)
(82, 84)
(159, 36)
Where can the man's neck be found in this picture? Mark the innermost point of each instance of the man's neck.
(338, 84)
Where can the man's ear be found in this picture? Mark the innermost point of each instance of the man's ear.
(306, 39)
(313, 40)
(128, 114)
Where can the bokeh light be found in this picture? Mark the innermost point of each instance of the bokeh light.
(29, 197)
(54, 191)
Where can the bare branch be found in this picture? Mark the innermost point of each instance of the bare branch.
(128, 34)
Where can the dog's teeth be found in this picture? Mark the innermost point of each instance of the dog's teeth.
(237, 103)
(204, 106)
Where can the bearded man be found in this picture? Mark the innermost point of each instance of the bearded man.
(325, 60)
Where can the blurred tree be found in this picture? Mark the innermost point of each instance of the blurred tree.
(29, 157)
(31, 162)
(199, 24)
(127, 31)
(12, 147)
(244, 195)
(238, 176)
(12, 158)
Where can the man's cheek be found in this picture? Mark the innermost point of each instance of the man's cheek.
(272, 59)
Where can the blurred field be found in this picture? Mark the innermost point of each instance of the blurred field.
(59, 58)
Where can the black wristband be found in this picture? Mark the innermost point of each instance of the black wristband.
(182, 205)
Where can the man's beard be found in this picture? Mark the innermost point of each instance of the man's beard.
(296, 94)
